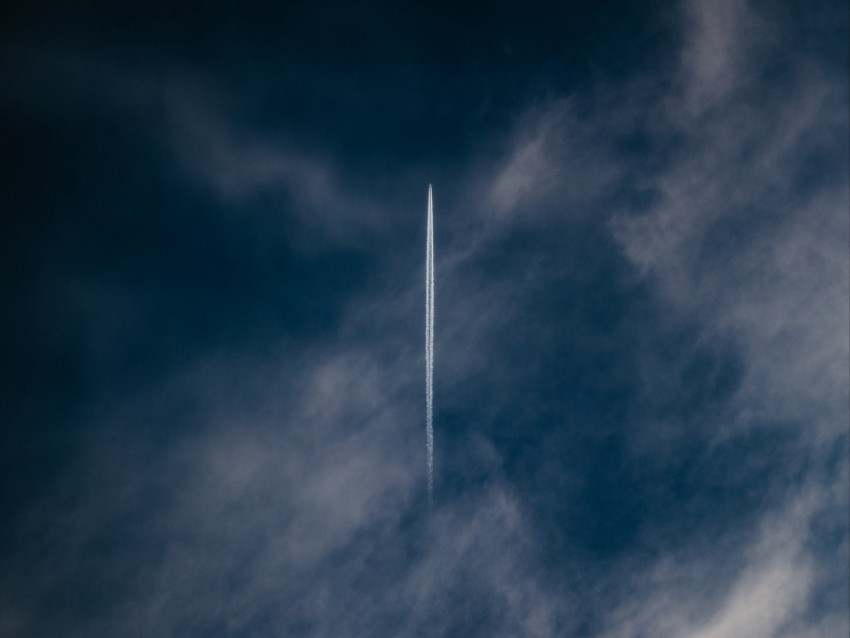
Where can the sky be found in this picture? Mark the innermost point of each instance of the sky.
(212, 342)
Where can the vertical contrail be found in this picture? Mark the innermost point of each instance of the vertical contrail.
(429, 347)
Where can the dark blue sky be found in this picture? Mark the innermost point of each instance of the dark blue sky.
(212, 337)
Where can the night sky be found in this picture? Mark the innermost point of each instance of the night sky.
(212, 315)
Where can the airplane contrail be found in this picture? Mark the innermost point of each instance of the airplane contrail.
(429, 347)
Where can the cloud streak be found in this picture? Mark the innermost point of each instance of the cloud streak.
(429, 347)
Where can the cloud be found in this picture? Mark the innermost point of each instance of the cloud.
(280, 492)
(744, 241)
(759, 589)
(718, 56)
(215, 137)
(740, 241)
(279, 489)
(558, 156)
(744, 237)
(238, 167)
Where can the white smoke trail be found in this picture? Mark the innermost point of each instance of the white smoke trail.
(429, 347)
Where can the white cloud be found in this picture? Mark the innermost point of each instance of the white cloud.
(715, 61)
(746, 241)
(556, 158)
(760, 590)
